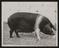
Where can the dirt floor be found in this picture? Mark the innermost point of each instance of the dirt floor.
(26, 39)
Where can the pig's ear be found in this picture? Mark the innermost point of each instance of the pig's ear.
(53, 26)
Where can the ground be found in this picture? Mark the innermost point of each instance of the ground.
(26, 39)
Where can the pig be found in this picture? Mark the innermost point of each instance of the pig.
(26, 22)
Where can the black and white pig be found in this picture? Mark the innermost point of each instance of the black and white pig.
(29, 22)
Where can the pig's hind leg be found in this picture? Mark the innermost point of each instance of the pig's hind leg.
(17, 33)
(11, 32)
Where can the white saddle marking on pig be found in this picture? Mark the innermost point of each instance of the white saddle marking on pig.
(37, 30)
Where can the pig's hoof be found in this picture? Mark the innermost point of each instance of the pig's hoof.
(18, 36)
(11, 37)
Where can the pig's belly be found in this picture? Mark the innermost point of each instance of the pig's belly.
(25, 27)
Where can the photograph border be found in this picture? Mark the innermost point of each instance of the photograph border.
(21, 45)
